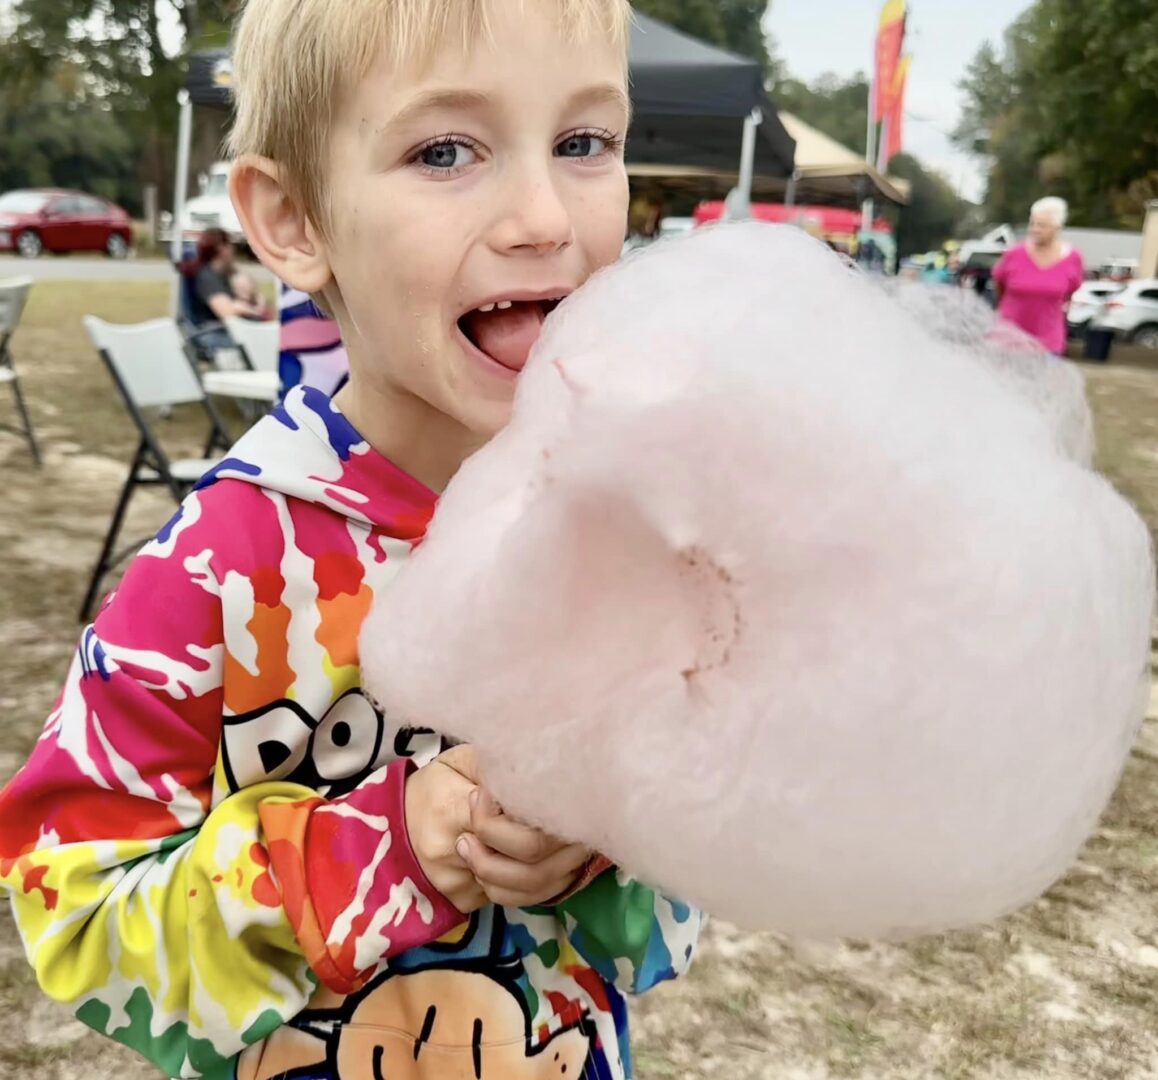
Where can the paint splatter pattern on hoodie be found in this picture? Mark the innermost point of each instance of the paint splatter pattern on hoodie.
(206, 852)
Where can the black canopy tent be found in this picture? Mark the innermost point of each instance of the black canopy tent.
(697, 108)
(692, 102)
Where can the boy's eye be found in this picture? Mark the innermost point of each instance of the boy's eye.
(581, 146)
(445, 156)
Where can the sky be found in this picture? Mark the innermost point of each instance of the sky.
(815, 36)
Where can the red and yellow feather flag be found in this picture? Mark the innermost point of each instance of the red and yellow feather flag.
(895, 127)
(890, 43)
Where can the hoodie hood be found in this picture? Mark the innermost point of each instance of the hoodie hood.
(307, 449)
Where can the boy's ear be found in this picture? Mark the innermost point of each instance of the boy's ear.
(278, 229)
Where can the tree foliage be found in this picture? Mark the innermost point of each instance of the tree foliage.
(89, 94)
(935, 212)
(54, 135)
(838, 107)
(1069, 106)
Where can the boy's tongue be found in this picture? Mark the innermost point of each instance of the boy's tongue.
(506, 336)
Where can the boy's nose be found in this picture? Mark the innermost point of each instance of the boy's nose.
(537, 220)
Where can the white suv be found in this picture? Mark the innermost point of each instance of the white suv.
(1132, 315)
(1089, 302)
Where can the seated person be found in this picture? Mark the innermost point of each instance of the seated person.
(211, 297)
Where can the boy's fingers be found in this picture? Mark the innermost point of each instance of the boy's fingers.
(496, 870)
(508, 836)
(511, 899)
(454, 800)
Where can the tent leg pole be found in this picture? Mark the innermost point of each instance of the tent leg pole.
(748, 154)
(868, 211)
(882, 162)
(881, 165)
(180, 195)
(738, 205)
(790, 195)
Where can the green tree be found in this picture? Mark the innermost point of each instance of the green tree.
(53, 134)
(126, 65)
(935, 212)
(1002, 119)
(1068, 106)
(836, 106)
(743, 23)
(1096, 82)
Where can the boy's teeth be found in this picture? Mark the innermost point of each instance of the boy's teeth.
(506, 305)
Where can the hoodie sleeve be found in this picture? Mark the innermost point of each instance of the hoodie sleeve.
(633, 936)
(176, 918)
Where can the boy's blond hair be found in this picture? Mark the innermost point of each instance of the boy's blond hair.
(293, 59)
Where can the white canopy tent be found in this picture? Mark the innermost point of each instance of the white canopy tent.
(827, 172)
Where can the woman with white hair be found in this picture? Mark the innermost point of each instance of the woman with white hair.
(1035, 280)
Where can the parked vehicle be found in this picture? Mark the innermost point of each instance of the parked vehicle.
(212, 208)
(1087, 302)
(1132, 315)
(39, 220)
(979, 257)
(1118, 269)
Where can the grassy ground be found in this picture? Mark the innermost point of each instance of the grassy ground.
(1067, 989)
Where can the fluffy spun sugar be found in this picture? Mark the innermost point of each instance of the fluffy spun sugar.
(794, 595)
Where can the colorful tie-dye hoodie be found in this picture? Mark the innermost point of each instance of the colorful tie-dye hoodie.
(207, 855)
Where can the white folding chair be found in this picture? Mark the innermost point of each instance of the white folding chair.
(256, 384)
(151, 370)
(13, 296)
(259, 341)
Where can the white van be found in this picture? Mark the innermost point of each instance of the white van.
(212, 208)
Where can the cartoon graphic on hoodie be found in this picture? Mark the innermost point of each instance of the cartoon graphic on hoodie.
(207, 854)
(471, 1022)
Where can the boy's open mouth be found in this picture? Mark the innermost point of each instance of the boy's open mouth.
(506, 330)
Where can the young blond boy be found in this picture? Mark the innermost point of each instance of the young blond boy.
(219, 852)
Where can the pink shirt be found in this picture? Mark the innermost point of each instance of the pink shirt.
(1034, 297)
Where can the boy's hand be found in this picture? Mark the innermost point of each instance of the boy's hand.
(516, 865)
(437, 814)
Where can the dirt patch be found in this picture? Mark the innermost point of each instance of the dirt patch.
(1066, 989)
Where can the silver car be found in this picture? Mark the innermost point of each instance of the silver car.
(1089, 301)
(1132, 315)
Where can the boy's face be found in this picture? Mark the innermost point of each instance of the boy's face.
(482, 179)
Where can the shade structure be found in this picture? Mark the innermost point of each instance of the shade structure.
(691, 100)
(827, 172)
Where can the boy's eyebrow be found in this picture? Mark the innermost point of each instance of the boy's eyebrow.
(474, 101)
(435, 100)
(603, 94)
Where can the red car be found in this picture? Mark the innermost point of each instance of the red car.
(60, 221)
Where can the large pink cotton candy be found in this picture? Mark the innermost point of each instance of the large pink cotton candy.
(795, 597)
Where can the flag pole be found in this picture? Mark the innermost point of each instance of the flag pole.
(870, 152)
